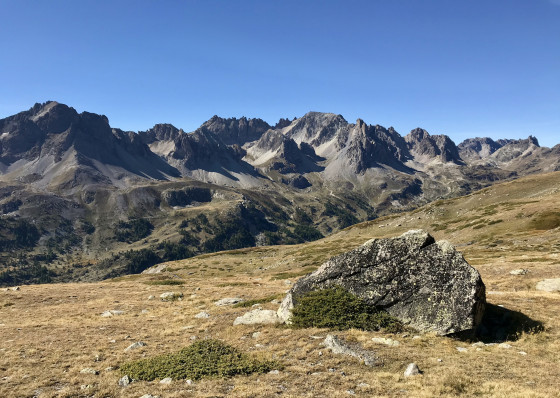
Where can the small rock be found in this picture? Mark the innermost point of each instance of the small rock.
(202, 315)
(274, 372)
(15, 288)
(337, 346)
(228, 301)
(134, 346)
(149, 396)
(411, 370)
(549, 285)
(144, 311)
(86, 386)
(89, 371)
(522, 353)
(478, 344)
(170, 296)
(504, 345)
(109, 369)
(189, 382)
(416, 337)
(109, 313)
(257, 316)
(350, 392)
(363, 385)
(151, 297)
(386, 341)
(167, 380)
(125, 381)
(461, 349)
(256, 335)
(440, 360)
(520, 271)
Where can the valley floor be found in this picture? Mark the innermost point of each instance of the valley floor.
(51, 332)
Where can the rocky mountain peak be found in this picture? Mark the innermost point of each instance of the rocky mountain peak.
(236, 131)
(439, 147)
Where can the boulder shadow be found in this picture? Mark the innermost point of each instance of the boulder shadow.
(500, 324)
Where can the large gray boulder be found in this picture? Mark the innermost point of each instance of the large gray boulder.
(425, 284)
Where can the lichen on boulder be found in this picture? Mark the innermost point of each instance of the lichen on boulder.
(425, 284)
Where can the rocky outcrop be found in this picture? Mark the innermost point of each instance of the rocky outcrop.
(440, 147)
(424, 284)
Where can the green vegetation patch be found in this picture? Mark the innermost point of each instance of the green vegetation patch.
(545, 221)
(165, 282)
(206, 358)
(336, 308)
(250, 303)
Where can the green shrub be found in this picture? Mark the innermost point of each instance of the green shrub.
(336, 308)
(206, 358)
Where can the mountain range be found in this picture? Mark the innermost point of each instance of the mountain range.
(74, 190)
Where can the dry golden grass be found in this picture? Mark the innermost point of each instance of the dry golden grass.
(50, 332)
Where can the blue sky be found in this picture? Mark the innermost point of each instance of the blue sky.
(461, 68)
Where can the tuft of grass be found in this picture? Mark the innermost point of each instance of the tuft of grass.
(336, 308)
(250, 303)
(546, 221)
(205, 358)
(288, 275)
(165, 282)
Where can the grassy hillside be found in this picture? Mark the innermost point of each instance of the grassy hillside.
(51, 332)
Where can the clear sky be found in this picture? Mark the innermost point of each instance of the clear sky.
(462, 68)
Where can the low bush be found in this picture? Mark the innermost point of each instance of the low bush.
(336, 308)
(205, 358)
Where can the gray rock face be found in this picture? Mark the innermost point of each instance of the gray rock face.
(411, 370)
(425, 284)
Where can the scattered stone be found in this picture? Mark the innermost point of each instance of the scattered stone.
(228, 301)
(156, 269)
(202, 315)
(522, 353)
(14, 289)
(424, 284)
(109, 313)
(167, 380)
(338, 346)
(189, 382)
(416, 337)
(520, 271)
(462, 349)
(125, 381)
(151, 297)
(504, 345)
(363, 385)
(134, 346)
(440, 360)
(109, 369)
(144, 311)
(478, 344)
(86, 386)
(89, 371)
(256, 335)
(386, 341)
(350, 392)
(411, 370)
(149, 396)
(257, 316)
(274, 372)
(170, 296)
(549, 285)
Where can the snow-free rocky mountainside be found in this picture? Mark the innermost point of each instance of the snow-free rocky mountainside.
(67, 180)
